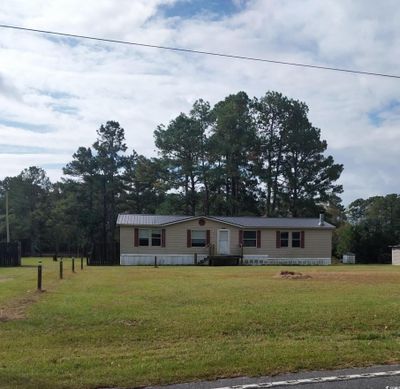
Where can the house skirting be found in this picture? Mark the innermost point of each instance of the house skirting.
(162, 259)
(267, 260)
(189, 259)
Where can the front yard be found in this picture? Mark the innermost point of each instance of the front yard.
(133, 326)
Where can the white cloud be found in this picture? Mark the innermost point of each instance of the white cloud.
(71, 87)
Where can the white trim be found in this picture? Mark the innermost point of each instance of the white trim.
(229, 241)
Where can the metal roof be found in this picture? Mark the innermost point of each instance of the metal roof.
(239, 221)
(273, 222)
(149, 220)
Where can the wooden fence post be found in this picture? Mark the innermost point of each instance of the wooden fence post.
(73, 265)
(39, 276)
(81, 263)
(195, 258)
(61, 269)
(155, 261)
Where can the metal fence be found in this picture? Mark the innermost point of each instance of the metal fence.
(10, 254)
(104, 254)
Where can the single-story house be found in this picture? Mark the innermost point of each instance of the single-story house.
(396, 254)
(188, 240)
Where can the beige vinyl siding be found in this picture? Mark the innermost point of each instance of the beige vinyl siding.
(317, 242)
(176, 239)
(396, 256)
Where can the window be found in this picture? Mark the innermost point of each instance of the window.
(249, 238)
(296, 239)
(199, 238)
(156, 237)
(143, 237)
(149, 237)
(284, 239)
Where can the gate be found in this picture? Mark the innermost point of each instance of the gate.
(104, 254)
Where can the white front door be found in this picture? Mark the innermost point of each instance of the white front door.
(223, 242)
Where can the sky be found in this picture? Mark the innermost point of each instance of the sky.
(56, 92)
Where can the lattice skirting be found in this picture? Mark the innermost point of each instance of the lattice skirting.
(266, 260)
(162, 259)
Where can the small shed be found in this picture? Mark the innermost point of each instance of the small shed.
(396, 254)
(349, 258)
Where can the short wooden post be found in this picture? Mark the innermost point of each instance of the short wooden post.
(61, 269)
(73, 265)
(195, 258)
(81, 263)
(39, 276)
(155, 261)
(241, 254)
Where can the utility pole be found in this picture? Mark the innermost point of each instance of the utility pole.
(7, 220)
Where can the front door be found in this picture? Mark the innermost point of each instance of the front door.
(223, 242)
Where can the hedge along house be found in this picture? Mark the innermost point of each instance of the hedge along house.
(188, 240)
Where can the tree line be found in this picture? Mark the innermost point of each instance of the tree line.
(372, 225)
(242, 156)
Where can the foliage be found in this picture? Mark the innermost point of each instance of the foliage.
(374, 227)
(241, 156)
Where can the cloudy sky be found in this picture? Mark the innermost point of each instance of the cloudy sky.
(55, 92)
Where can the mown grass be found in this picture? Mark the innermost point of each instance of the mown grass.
(134, 326)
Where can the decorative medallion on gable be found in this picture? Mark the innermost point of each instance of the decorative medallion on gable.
(202, 222)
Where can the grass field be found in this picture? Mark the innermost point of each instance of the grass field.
(133, 326)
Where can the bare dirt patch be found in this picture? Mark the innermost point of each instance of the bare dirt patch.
(4, 279)
(293, 275)
(16, 310)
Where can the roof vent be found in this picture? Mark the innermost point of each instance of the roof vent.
(321, 220)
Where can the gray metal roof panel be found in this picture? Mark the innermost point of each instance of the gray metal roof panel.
(148, 220)
(273, 222)
(241, 221)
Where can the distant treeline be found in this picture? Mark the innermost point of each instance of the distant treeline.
(259, 156)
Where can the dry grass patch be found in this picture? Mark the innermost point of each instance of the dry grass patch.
(17, 309)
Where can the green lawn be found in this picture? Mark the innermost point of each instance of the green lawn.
(133, 326)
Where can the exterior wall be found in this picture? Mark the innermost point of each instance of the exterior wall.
(396, 256)
(317, 242)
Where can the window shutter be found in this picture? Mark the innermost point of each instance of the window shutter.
(258, 239)
(208, 237)
(240, 237)
(136, 237)
(163, 237)
(278, 239)
(302, 239)
(189, 238)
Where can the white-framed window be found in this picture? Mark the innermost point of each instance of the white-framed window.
(156, 237)
(285, 239)
(199, 238)
(144, 237)
(296, 239)
(249, 238)
(149, 237)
